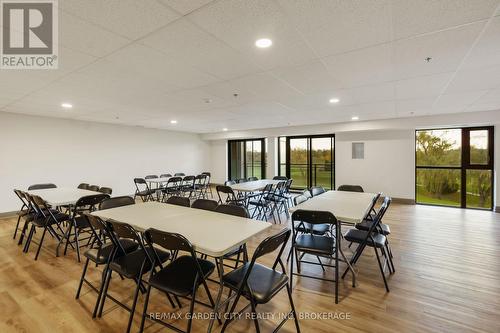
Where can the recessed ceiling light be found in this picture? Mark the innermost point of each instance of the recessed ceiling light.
(263, 43)
(173, 121)
(354, 118)
(66, 105)
(224, 129)
(334, 100)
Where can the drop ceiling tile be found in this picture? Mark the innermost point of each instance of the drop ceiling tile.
(415, 107)
(84, 37)
(240, 23)
(483, 78)
(422, 86)
(418, 17)
(186, 43)
(186, 6)
(447, 50)
(268, 88)
(489, 101)
(310, 78)
(362, 67)
(333, 27)
(129, 18)
(486, 52)
(456, 102)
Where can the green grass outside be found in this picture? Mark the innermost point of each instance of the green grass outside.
(452, 199)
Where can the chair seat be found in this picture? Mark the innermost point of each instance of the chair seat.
(145, 193)
(316, 229)
(59, 217)
(358, 236)
(100, 255)
(129, 265)
(366, 225)
(315, 244)
(178, 277)
(264, 282)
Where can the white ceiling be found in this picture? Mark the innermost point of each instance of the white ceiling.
(150, 61)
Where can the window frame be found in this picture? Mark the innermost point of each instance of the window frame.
(464, 164)
(262, 156)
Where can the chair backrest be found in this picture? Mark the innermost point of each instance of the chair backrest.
(116, 202)
(317, 190)
(41, 186)
(94, 188)
(141, 185)
(151, 177)
(376, 221)
(288, 185)
(207, 173)
(83, 186)
(97, 225)
(232, 210)
(118, 230)
(226, 190)
(252, 179)
(350, 188)
(179, 174)
(313, 217)
(300, 199)
(268, 245)
(280, 178)
(139, 181)
(179, 201)
(174, 181)
(205, 204)
(21, 197)
(91, 200)
(188, 180)
(165, 175)
(229, 182)
(201, 179)
(241, 180)
(307, 194)
(106, 190)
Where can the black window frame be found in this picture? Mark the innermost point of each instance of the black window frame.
(464, 164)
(263, 157)
(309, 157)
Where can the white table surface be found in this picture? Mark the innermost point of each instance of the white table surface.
(350, 207)
(62, 195)
(255, 185)
(211, 233)
(158, 180)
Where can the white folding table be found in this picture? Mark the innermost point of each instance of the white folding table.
(347, 207)
(61, 196)
(210, 233)
(255, 185)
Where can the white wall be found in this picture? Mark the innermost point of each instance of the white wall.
(218, 161)
(388, 165)
(67, 152)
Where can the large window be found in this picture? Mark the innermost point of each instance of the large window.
(308, 160)
(247, 158)
(454, 167)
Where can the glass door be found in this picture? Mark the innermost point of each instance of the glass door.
(309, 160)
(246, 158)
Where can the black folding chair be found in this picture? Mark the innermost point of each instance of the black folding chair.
(230, 196)
(350, 188)
(172, 187)
(116, 202)
(142, 190)
(181, 277)
(131, 265)
(179, 201)
(205, 204)
(317, 245)
(317, 190)
(106, 190)
(258, 283)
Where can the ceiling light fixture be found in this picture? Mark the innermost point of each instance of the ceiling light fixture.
(173, 121)
(263, 43)
(334, 100)
(66, 105)
(354, 118)
(224, 129)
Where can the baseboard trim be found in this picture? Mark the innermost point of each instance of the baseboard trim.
(497, 209)
(8, 214)
(404, 201)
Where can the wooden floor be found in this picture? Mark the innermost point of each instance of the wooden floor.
(447, 280)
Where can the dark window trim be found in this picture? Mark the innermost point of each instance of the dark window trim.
(309, 156)
(465, 163)
(263, 156)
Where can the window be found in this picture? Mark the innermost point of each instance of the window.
(246, 158)
(308, 160)
(454, 167)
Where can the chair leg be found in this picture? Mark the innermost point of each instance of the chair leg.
(294, 313)
(191, 310)
(104, 294)
(17, 226)
(28, 240)
(101, 290)
(77, 243)
(144, 312)
(134, 304)
(82, 278)
(254, 315)
(40, 244)
(381, 269)
(230, 318)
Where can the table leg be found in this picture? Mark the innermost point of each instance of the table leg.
(220, 261)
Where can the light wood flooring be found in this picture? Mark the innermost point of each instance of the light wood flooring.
(447, 280)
